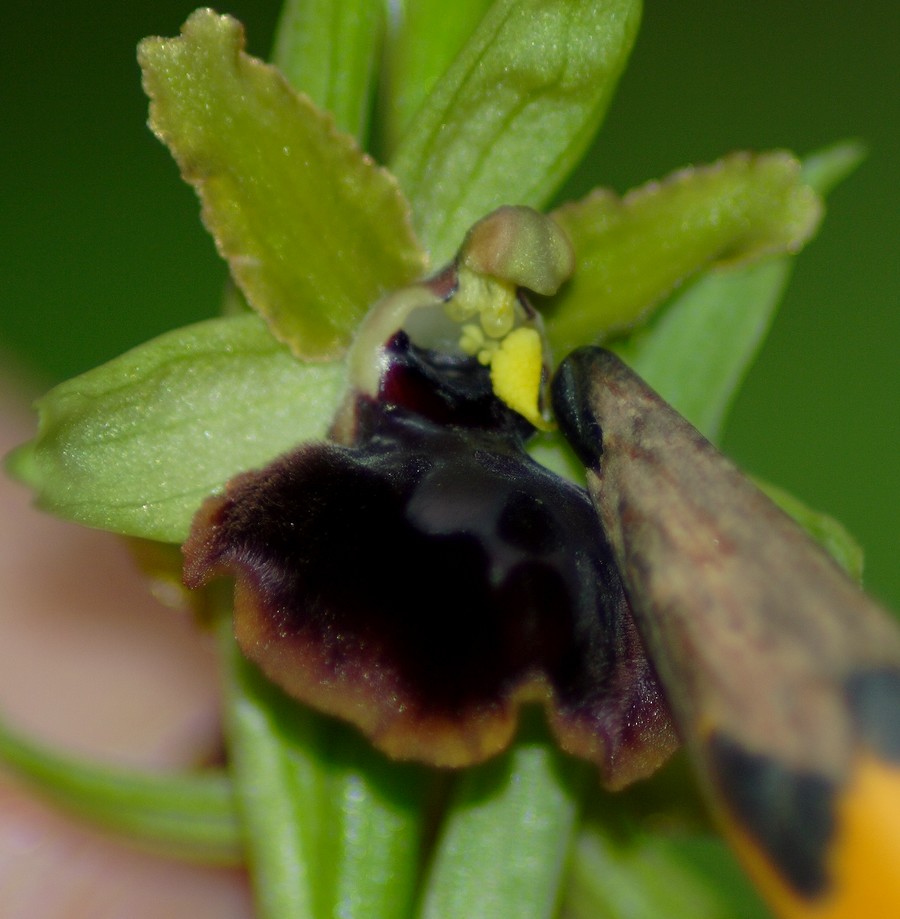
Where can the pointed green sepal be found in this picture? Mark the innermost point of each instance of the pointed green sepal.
(425, 38)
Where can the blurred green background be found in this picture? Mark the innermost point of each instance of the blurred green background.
(102, 248)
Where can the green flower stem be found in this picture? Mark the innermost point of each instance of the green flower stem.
(188, 815)
(331, 828)
(276, 794)
(328, 50)
(376, 820)
(507, 835)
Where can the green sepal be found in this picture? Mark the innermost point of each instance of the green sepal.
(314, 232)
(513, 113)
(135, 445)
(425, 38)
(185, 815)
(826, 168)
(329, 50)
(634, 251)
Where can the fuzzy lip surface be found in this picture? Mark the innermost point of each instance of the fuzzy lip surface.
(426, 579)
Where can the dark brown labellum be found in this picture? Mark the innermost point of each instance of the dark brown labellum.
(424, 580)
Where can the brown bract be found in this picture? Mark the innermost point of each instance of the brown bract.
(784, 677)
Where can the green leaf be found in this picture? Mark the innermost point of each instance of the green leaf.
(513, 113)
(831, 535)
(313, 231)
(426, 37)
(506, 836)
(135, 445)
(633, 251)
(276, 789)
(332, 828)
(697, 350)
(627, 873)
(649, 852)
(371, 850)
(828, 167)
(328, 50)
(188, 815)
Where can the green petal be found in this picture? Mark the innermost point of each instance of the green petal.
(328, 50)
(633, 251)
(513, 113)
(697, 350)
(188, 815)
(426, 37)
(313, 231)
(135, 445)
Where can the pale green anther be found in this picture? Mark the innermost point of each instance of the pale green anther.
(520, 245)
(512, 247)
(492, 300)
(471, 339)
(468, 298)
(499, 314)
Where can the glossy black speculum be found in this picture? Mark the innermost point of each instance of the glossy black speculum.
(427, 578)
